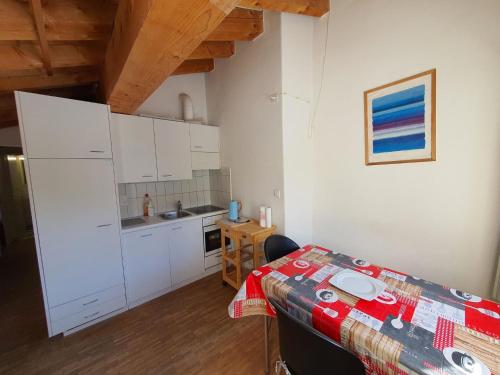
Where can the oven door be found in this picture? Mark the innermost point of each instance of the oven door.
(212, 239)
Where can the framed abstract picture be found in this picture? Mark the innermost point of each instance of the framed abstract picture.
(400, 121)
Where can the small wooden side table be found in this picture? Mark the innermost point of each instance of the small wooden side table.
(246, 239)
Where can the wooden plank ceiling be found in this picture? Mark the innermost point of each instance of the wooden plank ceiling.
(127, 48)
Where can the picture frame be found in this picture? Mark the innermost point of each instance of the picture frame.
(400, 121)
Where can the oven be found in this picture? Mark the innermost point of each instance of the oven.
(212, 236)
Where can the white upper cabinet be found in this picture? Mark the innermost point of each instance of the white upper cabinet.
(78, 226)
(205, 160)
(133, 148)
(173, 151)
(63, 128)
(204, 138)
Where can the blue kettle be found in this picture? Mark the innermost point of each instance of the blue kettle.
(234, 210)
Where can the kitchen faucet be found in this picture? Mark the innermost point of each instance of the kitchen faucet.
(179, 206)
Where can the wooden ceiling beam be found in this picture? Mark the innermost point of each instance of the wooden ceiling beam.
(315, 8)
(27, 56)
(58, 79)
(149, 42)
(213, 50)
(37, 12)
(194, 66)
(65, 20)
(240, 24)
(76, 20)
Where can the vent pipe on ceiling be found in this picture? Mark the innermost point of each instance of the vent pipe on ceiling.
(187, 107)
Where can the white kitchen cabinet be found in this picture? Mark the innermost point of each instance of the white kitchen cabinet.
(77, 222)
(186, 250)
(147, 263)
(204, 138)
(63, 128)
(133, 148)
(172, 150)
(205, 160)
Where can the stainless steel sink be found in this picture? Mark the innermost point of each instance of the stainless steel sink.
(172, 215)
(133, 221)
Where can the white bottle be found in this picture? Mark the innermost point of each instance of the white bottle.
(269, 220)
(262, 216)
(151, 209)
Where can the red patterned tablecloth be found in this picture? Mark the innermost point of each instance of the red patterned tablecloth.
(413, 327)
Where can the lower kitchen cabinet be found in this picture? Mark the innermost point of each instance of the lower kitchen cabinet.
(186, 250)
(157, 259)
(147, 263)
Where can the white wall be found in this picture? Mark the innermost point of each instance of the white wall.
(164, 102)
(439, 220)
(251, 133)
(297, 85)
(10, 137)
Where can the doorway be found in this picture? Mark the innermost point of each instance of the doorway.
(21, 302)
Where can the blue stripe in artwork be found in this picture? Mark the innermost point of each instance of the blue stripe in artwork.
(417, 111)
(398, 99)
(403, 143)
(392, 110)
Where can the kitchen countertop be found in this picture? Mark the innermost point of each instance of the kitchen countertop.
(156, 221)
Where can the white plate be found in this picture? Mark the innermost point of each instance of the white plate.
(465, 362)
(358, 284)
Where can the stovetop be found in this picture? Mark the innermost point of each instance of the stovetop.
(204, 209)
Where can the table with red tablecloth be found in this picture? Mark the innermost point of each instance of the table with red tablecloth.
(413, 327)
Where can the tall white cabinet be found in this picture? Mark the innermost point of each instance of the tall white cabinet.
(63, 128)
(74, 205)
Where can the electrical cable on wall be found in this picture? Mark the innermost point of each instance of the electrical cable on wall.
(316, 103)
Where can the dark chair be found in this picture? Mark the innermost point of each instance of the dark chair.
(277, 246)
(305, 351)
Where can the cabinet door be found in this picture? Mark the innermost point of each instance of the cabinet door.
(186, 250)
(146, 262)
(133, 148)
(63, 128)
(205, 160)
(78, 226)
(172, 150)
(204, 138)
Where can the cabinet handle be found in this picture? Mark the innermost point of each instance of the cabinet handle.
(198, 147)
(91, 315)
(148, 176)
(104, 225)
(176, 228)
(91, 302)
(147, 235)
(97, 151)
(167, 175)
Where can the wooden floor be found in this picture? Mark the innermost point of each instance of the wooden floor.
(22, 318)
(185, 332)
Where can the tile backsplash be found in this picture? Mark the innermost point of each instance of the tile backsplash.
(206, 187)
(220, 187)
